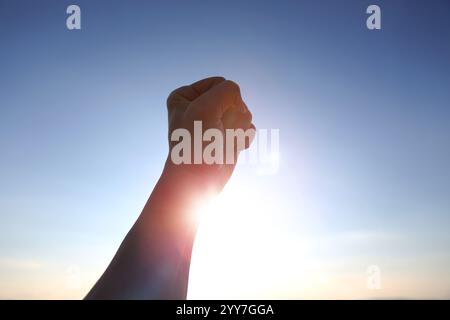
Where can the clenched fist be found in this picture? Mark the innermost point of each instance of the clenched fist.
(207, 111)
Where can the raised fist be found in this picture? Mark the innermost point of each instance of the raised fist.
(204, 113)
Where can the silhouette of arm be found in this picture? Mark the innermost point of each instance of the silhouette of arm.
(154, 258)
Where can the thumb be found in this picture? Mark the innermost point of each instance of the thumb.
(212, 104)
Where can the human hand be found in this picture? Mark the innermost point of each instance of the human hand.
(218, 105)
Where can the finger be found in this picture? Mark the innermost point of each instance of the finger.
(227, 169)
(215, 102)
(234, 119)
(204, 85)
(238, 140)
(250, 133)
(182, 96)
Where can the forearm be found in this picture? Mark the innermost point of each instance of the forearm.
(153, 260)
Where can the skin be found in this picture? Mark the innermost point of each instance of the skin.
(154, 258)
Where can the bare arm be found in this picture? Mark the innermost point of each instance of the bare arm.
(154, 258)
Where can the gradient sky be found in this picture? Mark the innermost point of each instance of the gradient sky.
(364, 139)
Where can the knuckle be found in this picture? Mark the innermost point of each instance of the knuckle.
(174, 96)
(170, 99)
(231, 86)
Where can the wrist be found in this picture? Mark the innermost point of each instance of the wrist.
(198, 179)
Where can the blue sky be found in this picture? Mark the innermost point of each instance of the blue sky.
(363, 119)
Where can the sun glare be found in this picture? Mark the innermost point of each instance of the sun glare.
(238, 246)
(245, 249)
